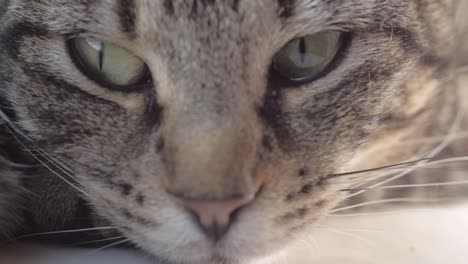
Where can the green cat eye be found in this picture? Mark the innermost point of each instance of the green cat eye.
(305, 58)
(109, 64)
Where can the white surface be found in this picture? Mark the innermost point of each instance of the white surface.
(426, 236)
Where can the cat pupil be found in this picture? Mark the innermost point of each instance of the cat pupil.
(101, 55)
(302, 49)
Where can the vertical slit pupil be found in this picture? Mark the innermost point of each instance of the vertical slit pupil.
(101, 55)
(302, 49)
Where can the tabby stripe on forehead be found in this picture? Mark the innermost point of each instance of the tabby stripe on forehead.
(169, 7)
(235, 5)
(127, 13)
(286, 8)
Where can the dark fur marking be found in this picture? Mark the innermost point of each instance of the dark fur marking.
(199, 5)
(307, 188)
(81, 220)
(266, 143)
(140, 199)
(235, 5)
(301, 212)
(140, 220)
(13, 36)
(270, 112)
(290, 197)
(169, 7)
(297, 214)
(286, 8)
(127, 14)
(59, 119)
(153, 113)
(320, 203)
(136, 175)
(160, 145)
(288, 216)
(127, 214)
(303, 172)
(3, 7)
(206, 2)
(125, 189)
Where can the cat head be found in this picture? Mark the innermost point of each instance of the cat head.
(219, 130)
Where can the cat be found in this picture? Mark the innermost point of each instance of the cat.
(210, 131)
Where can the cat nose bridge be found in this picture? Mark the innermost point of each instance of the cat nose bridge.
(210, 159)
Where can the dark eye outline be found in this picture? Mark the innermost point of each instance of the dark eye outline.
(285, 81)
(143, 84)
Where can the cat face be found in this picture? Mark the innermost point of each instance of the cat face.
(220, 121)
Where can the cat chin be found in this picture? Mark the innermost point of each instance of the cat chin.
(183, 257)
(225, 255)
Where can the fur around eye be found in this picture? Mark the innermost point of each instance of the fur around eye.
(108, 64)
(304, 59)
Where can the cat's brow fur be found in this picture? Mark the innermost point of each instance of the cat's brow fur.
(216, 122)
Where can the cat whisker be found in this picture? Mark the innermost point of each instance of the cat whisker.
(392, 212)
(97, 241)
(430, 140)
(36, 150)
(428, 165)
(443, 161)
(29, 140)
(108, 246)
(283, 257)
(347, 234)
(352, 229)
(395, 168)
(421, 185)
(394, 200)
(388, 167)
(463, 69)
(64, 232)
(431, 154)
(310, 240)
(50, 161)
(45, 165)
(360, 180)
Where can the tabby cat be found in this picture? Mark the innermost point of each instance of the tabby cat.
(216, 131)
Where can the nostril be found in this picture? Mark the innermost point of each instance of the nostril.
(215, 231)
(215, 217)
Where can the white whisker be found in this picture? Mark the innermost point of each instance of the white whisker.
(66, 232)
(463, 69)
(56, 173)
(352, 229)
(310, 240)
(434, 152)
(389, 212)
(49, 159)
(108, 246)
(434, 184)
(420, 141)
(443, 161)
(348, 234)
(30, 141)
(97, 241)
(395, 200)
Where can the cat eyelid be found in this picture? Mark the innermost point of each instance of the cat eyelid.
(95, 71)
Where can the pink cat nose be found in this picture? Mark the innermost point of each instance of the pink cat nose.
(215, 216)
